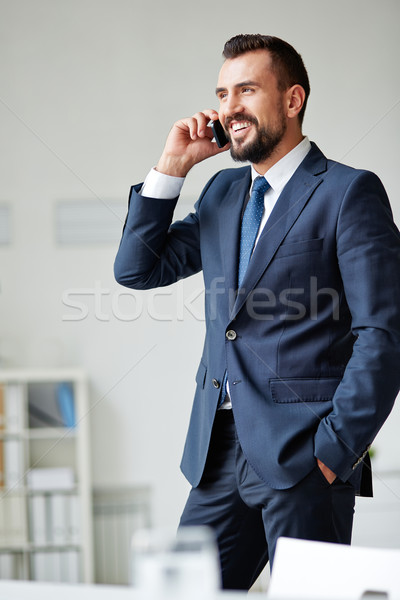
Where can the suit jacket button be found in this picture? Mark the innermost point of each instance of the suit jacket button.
(231, 335)
(216, 383)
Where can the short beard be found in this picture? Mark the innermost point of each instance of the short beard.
(263, 146)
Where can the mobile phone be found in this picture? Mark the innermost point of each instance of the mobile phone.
(219, 134)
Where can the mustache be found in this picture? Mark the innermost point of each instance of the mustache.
(240, 117)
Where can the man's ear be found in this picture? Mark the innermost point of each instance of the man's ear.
(295, 97)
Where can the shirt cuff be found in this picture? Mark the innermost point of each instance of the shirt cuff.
(160, 186)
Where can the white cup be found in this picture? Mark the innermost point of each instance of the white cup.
(178, 564)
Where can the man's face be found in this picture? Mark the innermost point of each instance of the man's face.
(251, 106)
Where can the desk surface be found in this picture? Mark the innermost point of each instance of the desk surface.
(34, 590)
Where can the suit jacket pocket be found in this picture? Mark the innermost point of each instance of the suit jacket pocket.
(201, 374)
(284, 391)
(300, 247)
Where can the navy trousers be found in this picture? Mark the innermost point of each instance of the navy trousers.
(248, 516)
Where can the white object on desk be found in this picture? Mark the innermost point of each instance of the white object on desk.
(307, 570)
(174, 565)
(33, 590)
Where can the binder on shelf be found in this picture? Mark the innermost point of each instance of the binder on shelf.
(66, 403)
(54, 519)
(51, 479)
(2, 423)
(3, 531)
(7, 566)
(40, 571)
(2, 416)
(13, 520)
(38, 519)
(14, 407)
(56, 566)
(70, 571)
(17, 519)
(74, 521)
(51, 404)
(13, 463)
(43, 406)
(58, 530)
(46, 566)
(2, 474)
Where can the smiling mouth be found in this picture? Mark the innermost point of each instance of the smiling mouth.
(239, 127)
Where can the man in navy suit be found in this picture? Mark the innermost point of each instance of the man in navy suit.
(300, 366)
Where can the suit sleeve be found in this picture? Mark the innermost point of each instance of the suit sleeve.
(368, 250)
(152, 252)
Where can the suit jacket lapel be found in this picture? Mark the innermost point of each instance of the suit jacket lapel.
(286, 211)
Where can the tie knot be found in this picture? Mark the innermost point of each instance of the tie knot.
(260, 185)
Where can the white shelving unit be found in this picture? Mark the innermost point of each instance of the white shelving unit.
(26, 552)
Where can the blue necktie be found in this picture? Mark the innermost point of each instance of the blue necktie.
(250, 225)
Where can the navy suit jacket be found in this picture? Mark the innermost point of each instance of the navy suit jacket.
(311, 342)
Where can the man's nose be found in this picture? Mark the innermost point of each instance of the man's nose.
(231, 106)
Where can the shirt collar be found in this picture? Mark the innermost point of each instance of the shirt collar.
(280, 173)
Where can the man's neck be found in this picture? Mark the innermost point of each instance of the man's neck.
(283, 148)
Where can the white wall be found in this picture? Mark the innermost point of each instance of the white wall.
(88, 92)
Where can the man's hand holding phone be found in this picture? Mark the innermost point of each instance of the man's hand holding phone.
(188, 143)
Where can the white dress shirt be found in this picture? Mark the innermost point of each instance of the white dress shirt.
(158, 185)
(278, 176)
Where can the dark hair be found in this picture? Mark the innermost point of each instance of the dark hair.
(287, 64)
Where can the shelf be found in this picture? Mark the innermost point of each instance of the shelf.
(47, 528)
(31, 548)
(13, 491)
(49, 433)
(37, 375)
(12, 435)
(53, 547)
(14, 549)
(41, 433)
(49, 492)
(25, 491)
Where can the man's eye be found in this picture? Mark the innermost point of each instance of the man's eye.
(247, 90)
